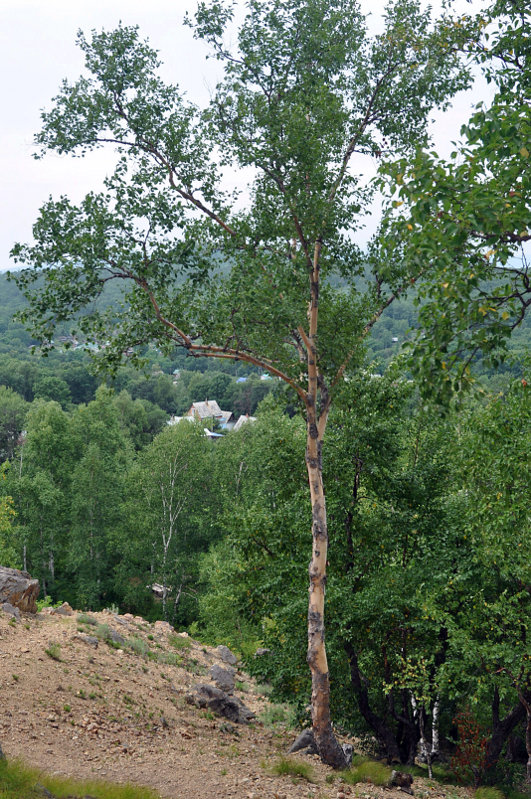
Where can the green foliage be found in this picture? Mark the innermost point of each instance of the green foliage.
(47, 602)
(367, 771)
(54, 651)
(291, 767)
(85, 618)
(177, 642)
(18, 781)
(468, 217)
(8, 548)
(275, 714)
(13, 411)
(169, 500)
(489, 792)
(138, 646)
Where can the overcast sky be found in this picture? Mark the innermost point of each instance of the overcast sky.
(37, 50)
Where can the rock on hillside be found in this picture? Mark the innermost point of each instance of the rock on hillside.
(18, 589)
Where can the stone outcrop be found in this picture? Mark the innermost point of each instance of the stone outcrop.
(226, 655)
(306, 743)
(18, 589)
(220, 703)
(224, 678)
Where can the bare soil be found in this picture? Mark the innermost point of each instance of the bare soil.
(112, 713)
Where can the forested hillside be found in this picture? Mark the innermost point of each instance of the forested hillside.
(103, 502)
(381, 389)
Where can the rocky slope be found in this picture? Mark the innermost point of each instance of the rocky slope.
(106, 695)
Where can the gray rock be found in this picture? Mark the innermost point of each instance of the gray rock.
(91, 640)
(306, 742)
(120, 620)
(11, 610)
(226, 655)
(348, 751)
(261, 651)
(224, 678)
(19, 589)
(63, 610)
(220, 703)
(116, 638)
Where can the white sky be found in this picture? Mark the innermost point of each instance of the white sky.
(37, 50)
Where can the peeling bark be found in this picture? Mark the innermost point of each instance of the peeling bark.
(329, 749)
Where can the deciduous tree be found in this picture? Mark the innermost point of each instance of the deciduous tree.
(306, 93)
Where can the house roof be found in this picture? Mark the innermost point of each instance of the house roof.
(205, 410)
(244, 418)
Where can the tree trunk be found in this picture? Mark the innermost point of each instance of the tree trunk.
(329, 749)
(528, 742)
(382, 731)
(501, 729)
(435, 729)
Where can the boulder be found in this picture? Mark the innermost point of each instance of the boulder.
(116, 638)
(163, 627)
(63, 610)
(91, 640)
(402, 781)
(11, 610)
(306, 743)
(18, 588)
(224, 678)
(220, 703)
(226, 655)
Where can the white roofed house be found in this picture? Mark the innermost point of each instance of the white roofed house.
(207, 412)
(210, 410)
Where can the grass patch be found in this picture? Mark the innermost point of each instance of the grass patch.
(168, 658)
(85, 618)
(138, 646)
(289, 766)
(17, 781)
(179, 643)
(364, 770)
(54, 651)
(488, 792)
(264, 689)
(512, 793)
(277, 714)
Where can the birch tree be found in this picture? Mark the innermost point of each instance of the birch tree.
(307, 97)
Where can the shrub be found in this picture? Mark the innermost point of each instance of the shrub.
(138, 646)
(489, 793)
(469, 761)
(277, 714)
(292, 767)
(84, 618)
(179, 643)
(367, 771)
(54, 651)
